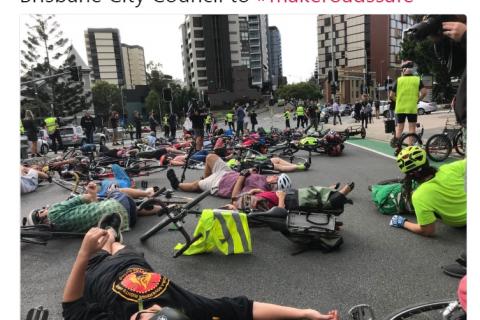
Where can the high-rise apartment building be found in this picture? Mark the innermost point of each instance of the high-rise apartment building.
(359, 46)
(104, 54)
(134, 66)
(275, 56)
(258, 46)
(212, 56)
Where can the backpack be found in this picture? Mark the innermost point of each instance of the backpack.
(387, 198)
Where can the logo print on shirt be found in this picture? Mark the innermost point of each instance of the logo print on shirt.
(137, 284)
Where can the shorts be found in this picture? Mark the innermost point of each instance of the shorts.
(411, 117)
(212, 181)
(127, 203)
(29, 182)
(32, 137)
(198, 133)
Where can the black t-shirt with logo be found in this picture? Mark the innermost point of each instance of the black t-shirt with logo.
(114, 284)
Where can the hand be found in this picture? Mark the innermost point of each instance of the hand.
(93, 241)
(315, 315)
(92, 188)
(454, 30)
(397, 221)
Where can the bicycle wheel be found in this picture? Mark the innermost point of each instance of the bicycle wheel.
(438, 147)
(284, 151)
(410, 139)
(458, 143)
(424, 311)
(69, 185)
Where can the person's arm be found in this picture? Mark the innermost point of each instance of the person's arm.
(281, 198)
(239, 183)
(255, 191)
(426, 230)
(267, 311)
(92, 242)
(423, 93)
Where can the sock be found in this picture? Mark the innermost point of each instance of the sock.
(300, 166)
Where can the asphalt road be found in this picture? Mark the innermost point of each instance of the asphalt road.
(385, 267)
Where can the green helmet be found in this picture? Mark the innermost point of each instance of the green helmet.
(232, 163)
(411, 158)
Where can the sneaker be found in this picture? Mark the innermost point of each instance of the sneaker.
(351, 185)
(307, 165)
(172, 177)
(112, 221)
(462, 260)
(455, 270)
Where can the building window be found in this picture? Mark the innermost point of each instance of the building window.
(200, 54)
(201, 63)
(199, 44)
(202, 73)
(197, 21)
(198, 33)
(234, 52)
(327, 22)
(202, 83)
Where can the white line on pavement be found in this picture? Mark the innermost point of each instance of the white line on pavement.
(372, 150)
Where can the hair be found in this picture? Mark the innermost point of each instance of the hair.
(29, 115)
(423, 173)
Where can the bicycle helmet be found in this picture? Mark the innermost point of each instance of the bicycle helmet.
(411, 158)
(284, 182)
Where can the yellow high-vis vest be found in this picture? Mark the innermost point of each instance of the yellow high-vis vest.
(300, 111)
(225, 230)
(407, 94)
(51, 124)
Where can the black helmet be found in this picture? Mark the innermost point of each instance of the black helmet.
(169, 314)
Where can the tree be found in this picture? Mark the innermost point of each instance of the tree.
(43, 45)
(106, 98)
(302, 90)
(424, 56)
(152, 101)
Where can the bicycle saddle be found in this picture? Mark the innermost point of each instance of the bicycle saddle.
(275, 212)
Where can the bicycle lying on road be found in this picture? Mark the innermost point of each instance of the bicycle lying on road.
(448, 309)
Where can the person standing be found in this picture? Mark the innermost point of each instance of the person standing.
(357, 109)
(31, 131)
(197, 116)
(363, 112)
(88, 125)
(406, 92)
(253, 119)
(208, 123)
(240, 115)
(300, 111)
(286, 115)
(377, 109)
(369, 111)
(114, 124)
(52, 127)
(153, 122)
(172, 123)
(166, 125)
(137, 120)
(336, 113)
(229, 118)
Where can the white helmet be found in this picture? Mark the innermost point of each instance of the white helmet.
(284, 182)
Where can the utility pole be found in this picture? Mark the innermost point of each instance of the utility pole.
(334, 80)
(365, 71)
(170, 102)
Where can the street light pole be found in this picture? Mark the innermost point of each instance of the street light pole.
(333, 59)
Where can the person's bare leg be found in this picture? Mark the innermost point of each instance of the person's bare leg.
(42, 175)
(209, 164)
(137, 193)
(34, 148)
(283, 166)
(189, 186)
(399, 130)
(345, 190)
(412, 127)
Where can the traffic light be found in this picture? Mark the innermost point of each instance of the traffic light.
(167, 94)
(334, 88)
(369, 80)
(315, 74)
(336, 75)
(75, 73)
(330, 76)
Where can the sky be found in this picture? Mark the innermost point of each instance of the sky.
(160, 37)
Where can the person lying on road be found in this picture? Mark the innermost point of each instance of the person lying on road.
(111, 281)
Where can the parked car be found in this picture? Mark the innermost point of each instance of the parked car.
(281, 102)
(426, 107)
(108, 132)
(422, 107)
(73, 136)
(345, 110)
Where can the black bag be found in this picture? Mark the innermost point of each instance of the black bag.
(389, 126)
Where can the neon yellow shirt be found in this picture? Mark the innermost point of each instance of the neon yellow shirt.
(444, 195)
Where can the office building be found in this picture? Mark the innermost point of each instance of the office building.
(104, 54)
(275, 56)
(360, 47)
(134, 66)
(211, 55)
